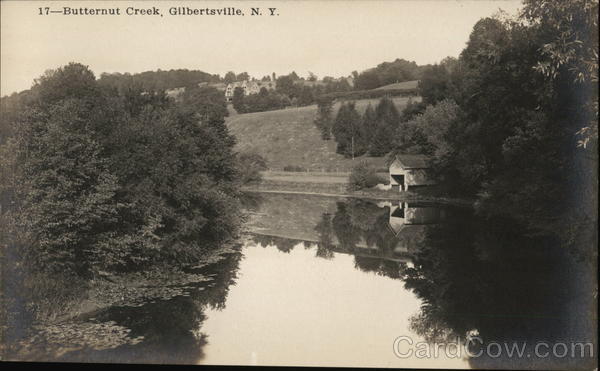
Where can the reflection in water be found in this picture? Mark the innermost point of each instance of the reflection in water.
(333, 283)
(473, 275)
(489, 276)
(171, 330)
(374, 234)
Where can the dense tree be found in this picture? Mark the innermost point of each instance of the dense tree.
(206, 102)
(286, 85)
(11, 107)
(369, 123)
(306, 96)
(336, 85)
(510, 140)
(516, 149)
(157, 80)
(68, 193)
(368, 80)
(249, 166)
(426, 133)
(265, 100)
(108, 182)
(229, 77)
(242, 77)
(347, 131)
(294, 76)
(324, 119)
(387, 123)
(363, 176)
(569, 58)
(434, 84)
(387, 73)
(411, 110)
(238, 99)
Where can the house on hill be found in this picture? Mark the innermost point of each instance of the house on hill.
(410, 171)
(249, 87)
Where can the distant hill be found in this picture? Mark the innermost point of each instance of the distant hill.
(406, 85)
(288, 137)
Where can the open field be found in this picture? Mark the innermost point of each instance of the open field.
(400, 85)
(310, 177)
(306, 177)
(288, 137)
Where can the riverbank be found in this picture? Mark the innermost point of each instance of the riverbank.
(335, 185)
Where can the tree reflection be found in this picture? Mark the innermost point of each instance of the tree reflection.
(324, 230)
(360, 228)
(485, 274)
(473, 274)
(283, 244)
(347, 233)
(171, 329)
(493, 276)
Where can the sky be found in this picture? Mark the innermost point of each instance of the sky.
(328, 38)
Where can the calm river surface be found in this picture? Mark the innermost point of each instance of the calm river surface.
(333, 282)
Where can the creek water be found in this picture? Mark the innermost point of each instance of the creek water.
(319, 281)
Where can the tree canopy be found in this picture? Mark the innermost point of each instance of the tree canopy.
(120, 181)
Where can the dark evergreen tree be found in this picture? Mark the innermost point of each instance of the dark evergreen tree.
(369, 123)
(387, 123)
(348, 133)
(324, 120)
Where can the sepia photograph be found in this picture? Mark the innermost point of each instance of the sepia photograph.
(316, 183)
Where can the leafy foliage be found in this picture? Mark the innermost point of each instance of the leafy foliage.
(387, 73)
(435, 84)
(265, 100)
(206, 102)
(238, 99)
(249, 166)
(506, 135)
(572, 50)
(157, 80)
(363, 176)
(113, 182)
(426, 133)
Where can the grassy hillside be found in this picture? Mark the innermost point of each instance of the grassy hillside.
(400, 85)
(289, 137)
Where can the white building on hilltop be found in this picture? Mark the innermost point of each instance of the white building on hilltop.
(249, 87)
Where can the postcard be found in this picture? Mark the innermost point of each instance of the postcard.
(397, 184)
